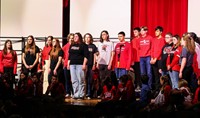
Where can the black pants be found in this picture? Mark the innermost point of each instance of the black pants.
(156, 75)
(136, 68)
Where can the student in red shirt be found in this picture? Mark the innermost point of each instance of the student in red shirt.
(145, 43)
(8, 63)
(122, 57)
(68, 84)
(125, 90)
(109, 90)
(135, 56)
(173, 61)
(157, 43)
(46, 50)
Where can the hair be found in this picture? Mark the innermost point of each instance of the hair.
(179, 40)
(182, 83)
(91, 38)
(159, 28)
(144, 79)
(195, 38)
(11, 49)
(122, 33)
(108, 82)
(137, 28)
(80, 37)
(30, 46)
(144, 28)
(104, 31)
(54, 51)
(124, 78)
(51, 37)
(189, 44)
(165, 78)
(169, 34)
(68, 37)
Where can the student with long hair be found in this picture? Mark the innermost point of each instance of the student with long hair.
(8, 63)
(45, 61)
(78, 57)
(88, 39)
(186, 58)
(173, 66)
(105, 57)
(68, 84)
(30, 56)
(55, 59)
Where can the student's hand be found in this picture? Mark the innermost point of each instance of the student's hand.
(31, 66)
(168, 67)
(151, 61)
(54, 72)
(160, 71)
(180, 74)
(68, 67)
(27, 66)
(84, 67)
(109, 67)
(93, 67)
(97, 66)
(49, 71)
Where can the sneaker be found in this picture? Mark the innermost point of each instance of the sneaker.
(89, 98)
(98, 97)
(138, 89)
(67, 95)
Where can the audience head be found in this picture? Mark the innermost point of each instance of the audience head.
(182, 83)
(123, 79)
(164, 80)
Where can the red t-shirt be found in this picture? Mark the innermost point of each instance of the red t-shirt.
(145, 44)
(45, 53)
(8, 61)
(66, 54)
(135, 53)
(156, 49)
(125, 58)
(108, 94)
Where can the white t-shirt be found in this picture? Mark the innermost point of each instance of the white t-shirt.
(105, 50)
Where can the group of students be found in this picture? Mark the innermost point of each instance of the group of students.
(74, 65)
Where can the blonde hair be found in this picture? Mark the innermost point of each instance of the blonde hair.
(182, 83)
(189, 44)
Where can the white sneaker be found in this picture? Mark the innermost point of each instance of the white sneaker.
(67, 95)
(89, 98)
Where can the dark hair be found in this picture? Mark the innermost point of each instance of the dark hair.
(144, 79)
(91, 38)
(122, 33)
(137, 28)
(80, 37)
(165, 78)
(5, 48)
(124, 78)
(101, 39)
(195, 38)
(159, 28)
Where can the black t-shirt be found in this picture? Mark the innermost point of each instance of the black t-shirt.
(92, 49)
(77, 53)
(30, 58)
(55, 60)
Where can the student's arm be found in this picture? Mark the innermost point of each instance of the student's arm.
(24, 61)
(57, 65)
(15, 63)
(183, 63)
(36, 61)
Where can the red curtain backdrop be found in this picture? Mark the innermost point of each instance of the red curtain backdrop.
(172, 15)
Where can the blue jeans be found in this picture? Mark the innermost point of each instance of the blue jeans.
(78, 83)
(164, 73)
(145, 69)
(120, 71)
(68, 84)
(174, 75)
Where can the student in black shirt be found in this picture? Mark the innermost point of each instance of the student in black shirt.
(88, 39)
(78, 57)
(30, 56)
(55, 59)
